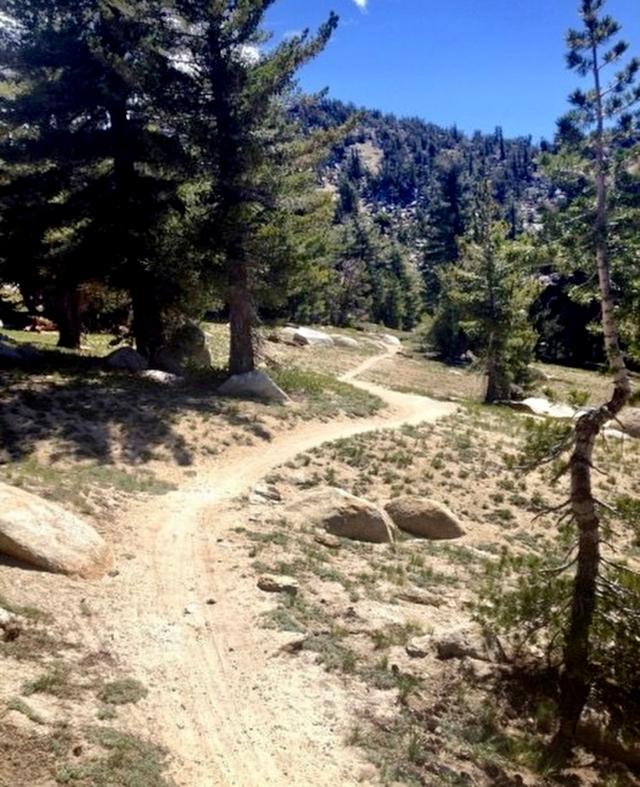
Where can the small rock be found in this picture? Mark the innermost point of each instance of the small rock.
(368, 774)
(10, 626)
(419, 647)
(479, 671)
(390, 341)
(162, 378)
(268, 492)
(328, 540)
(190, 609)
(419, 596)
(469, 640)
(272, 583)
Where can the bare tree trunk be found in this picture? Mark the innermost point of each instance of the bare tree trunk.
(576, 678)
(148, 330)
(68, 317)
(242, 321)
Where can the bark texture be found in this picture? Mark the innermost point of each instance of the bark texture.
(68, 317)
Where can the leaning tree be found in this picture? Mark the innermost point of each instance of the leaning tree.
(598, 113)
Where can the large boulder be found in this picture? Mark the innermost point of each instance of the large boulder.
(189, 345)
(343, 515)
(44, 535)
(253, 385)
(306, 336)
(538, 405)
(12, 354)
(344, 341)
(630, 421)
(9, 355)
(126, 359)
(390, 341)
(423, 517)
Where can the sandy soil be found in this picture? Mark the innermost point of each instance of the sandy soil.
(182, 614)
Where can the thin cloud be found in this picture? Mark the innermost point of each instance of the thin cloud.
(362, 4)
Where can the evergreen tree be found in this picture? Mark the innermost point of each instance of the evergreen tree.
(89, 154)
(234, 104)
(592, 50)
(487, 297)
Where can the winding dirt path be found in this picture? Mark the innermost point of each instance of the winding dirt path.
(230, 712)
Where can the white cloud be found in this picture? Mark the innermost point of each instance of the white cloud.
(362, 4)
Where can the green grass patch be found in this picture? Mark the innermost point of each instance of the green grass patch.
(129, 762)
(325, 394)
(122, 692)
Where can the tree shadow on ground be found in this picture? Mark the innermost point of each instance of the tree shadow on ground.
(531, 692)
(91, 414)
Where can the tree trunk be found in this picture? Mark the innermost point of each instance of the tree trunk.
(68, 317)
(242, 321)
(148, 330)
(576, 678)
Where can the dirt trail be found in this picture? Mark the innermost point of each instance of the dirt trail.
(230, 712)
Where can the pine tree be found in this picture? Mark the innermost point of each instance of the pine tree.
(89, 153)
(592, 50)
(487, 296)
(234, 104)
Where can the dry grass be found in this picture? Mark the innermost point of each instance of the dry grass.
(428, 721)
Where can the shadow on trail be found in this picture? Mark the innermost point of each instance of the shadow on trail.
(89, 413)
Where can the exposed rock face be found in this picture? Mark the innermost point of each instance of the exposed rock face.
(344, 341)
(344, 515)
(253, 384)
(630, 420)
(423, 517)
(126, 359)
(46, 536)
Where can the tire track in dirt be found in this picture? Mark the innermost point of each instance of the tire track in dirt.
(230, 713)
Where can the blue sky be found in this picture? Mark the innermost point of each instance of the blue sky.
(476, 63)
